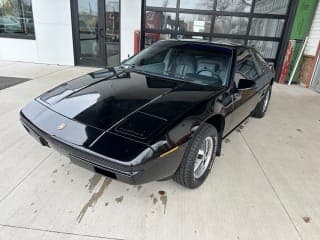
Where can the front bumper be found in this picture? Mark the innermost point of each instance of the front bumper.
(153, 169)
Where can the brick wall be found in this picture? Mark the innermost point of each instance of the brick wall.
(306, 69)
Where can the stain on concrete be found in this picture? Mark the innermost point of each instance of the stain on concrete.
(241, 127)
(71, 180)
(306, 219)
(55, 171)
(227, 140)
(155, 200)
(119, 199)
(32, 204)
(53, 181)
(164, 200)
(299, 130)
(35, 211)
(151, 195)
(93, 182)
(94, 199)
(238, 130)
(139, 187)
(106, 204)
(62, 165)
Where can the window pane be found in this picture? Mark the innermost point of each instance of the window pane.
(194, 23)
(267, 49)
(113, 32)
(160, 20)
(234, 5)
(16, 17)
(162, 3)
(153, 37)
(197, 4)
(266, 27)
(231, 25)
(271, 6)
(229, 40)
(88, 24)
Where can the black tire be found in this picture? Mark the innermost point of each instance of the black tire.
(261, 109)
(185, 175)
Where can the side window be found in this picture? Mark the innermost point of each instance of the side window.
(246, 66)
(261, 62)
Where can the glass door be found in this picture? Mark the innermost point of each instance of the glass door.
(96, 30)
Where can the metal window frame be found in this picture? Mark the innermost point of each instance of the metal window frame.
(282, 40)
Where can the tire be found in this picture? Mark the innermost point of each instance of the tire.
(262, 107)
(204, 141)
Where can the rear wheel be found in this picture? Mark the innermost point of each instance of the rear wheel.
(198, 157)
(262, 106)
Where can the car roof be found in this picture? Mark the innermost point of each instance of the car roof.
(221, 43)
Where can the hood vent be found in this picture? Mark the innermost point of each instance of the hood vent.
(141, 125)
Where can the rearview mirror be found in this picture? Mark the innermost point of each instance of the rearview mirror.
(246, 84)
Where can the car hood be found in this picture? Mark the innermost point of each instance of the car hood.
(138, 106)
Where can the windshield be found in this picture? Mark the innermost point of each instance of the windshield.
(200, 63)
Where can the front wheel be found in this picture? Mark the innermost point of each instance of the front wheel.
(198, 157)
(262, 106)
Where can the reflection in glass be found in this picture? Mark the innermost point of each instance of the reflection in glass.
(160, 20)
(153, 37)
(16, 17)
(202, 38)
(229, 40)
(266, 27)
(231, 25)
(162, 3)
(88, 24)
(271, 6)
(267, 49)
(194, 22)
(113, 32)
(197, 4)
(234, 5)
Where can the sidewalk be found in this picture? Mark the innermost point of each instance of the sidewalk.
(265, 186)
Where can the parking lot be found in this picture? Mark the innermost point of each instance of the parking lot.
(264, 186)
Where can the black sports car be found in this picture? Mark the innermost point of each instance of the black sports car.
(163, 113)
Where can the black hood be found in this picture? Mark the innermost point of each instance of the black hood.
(137, 105)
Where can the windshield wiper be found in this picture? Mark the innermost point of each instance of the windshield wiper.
(128, 65)
(104, 73)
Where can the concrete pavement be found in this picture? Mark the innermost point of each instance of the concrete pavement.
(265, 186)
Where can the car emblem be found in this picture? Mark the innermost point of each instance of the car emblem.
(61, 126)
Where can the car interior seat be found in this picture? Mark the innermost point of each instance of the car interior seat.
(209, 68)
(182, 64)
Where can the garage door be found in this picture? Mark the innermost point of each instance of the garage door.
(258, 23)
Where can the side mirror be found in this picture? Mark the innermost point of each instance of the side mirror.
(246, 84)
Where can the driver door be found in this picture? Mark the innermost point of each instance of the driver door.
(244, 98)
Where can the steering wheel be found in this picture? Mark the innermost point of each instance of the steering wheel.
(211, 73)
